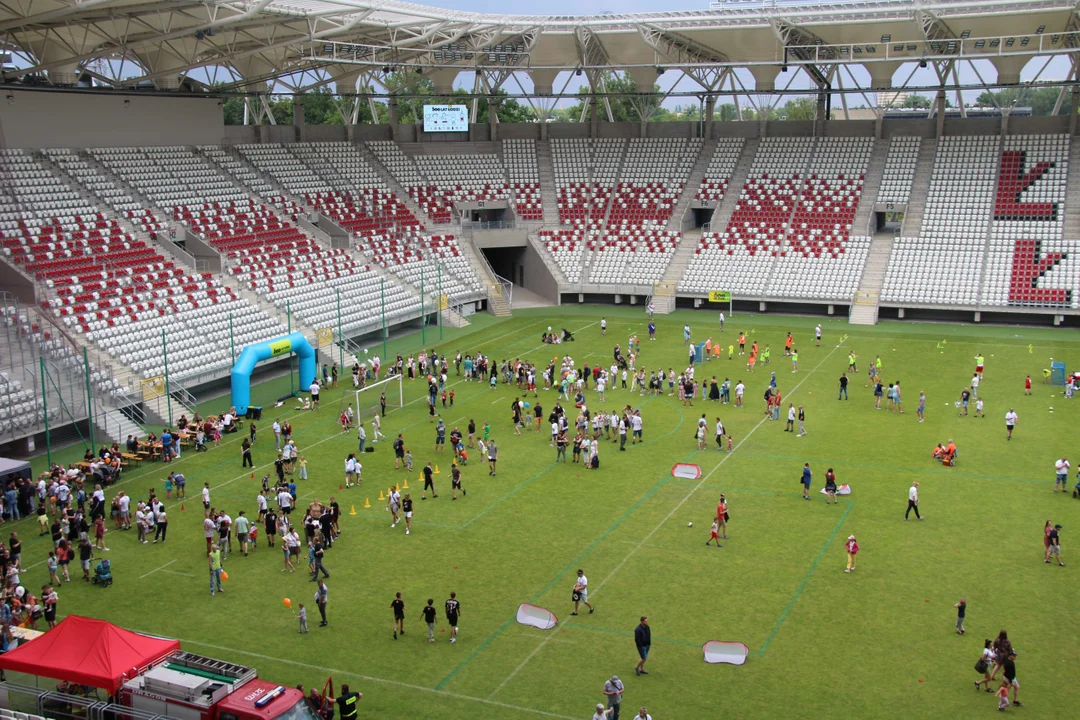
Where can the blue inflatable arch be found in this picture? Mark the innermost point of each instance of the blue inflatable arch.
(252, 354)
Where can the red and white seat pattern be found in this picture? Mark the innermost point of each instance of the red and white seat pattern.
(721, 165)
(567, 246)
(899, 173)
(407, 176)
(237, 226)
(465, 178)
(368, 211)
(632, 255)
(585, 174)
(1030, 263)
(524, 177)
(943, 264)
(170, 176)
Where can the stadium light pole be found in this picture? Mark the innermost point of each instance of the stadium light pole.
(382, 301)
(423, 314)
(89, 399)
(165, 356)
(341, 351)
(45, 411)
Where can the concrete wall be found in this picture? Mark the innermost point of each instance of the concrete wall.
(1045, 125)
(500, 238)
(793, 128)
(277, 133)
(850, 128)
(973, 126)
(568, 130)
(326, 133)
(538, 278)
(80, 120)
(14, 282)
(749, 129)
(371, 132)
(519, 131)
(925, 128)
(241, 134)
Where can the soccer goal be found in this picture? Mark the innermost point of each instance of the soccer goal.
(367, 400)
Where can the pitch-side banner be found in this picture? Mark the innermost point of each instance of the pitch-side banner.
(720, 296)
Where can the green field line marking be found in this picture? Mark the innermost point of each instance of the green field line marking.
(806, 578)
(729, 488)
(623, 633)
(508, 495)
(490, 639)
(930, 470)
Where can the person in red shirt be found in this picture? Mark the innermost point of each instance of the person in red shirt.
(1027, 385)
(722, 515)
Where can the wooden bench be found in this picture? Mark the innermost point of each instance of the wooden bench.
(130, 457)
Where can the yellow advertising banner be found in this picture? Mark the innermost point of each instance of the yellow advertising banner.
(722, 296)
(280, 347)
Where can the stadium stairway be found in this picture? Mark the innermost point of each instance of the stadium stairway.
(618, 175)
(865, 212)
(920, 186)
(546, 171)
(864, 309)
(693, 183)
(681, 259)
(722, 213)
(392, 183)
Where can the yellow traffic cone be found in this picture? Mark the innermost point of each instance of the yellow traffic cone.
(405, 485)
(352, 509)
(381, 496)
(367, 504)
(436, 469)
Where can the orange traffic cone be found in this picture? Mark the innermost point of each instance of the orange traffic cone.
(181, 507)
(252, 476)
(340, 487)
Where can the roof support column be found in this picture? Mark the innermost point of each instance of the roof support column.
(1074, 107)
(592, 118)
(710, 109)
(393, 112)
(939, 119)
(493, 118)
(298, 119)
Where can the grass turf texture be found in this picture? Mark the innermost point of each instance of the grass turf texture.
(822, 643)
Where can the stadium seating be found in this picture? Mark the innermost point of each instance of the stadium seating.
(1029, 262)
(943, 264)
(585, 174)
(789, 234)
(405, 173)
(632, 256)
(721, 165)
(524, 177)
(567, 247)
(284, 167)
(247, 177)
(899, 173)
(465, 178)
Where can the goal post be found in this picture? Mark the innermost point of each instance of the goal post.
(366, 400)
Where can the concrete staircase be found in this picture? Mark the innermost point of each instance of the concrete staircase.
(548, 192)
(865, 212)
(722, 214)
(499, 304)
(453, 318)
(677, 267)
(693, 182)
(1072, 196)
(920, 186)
(864, 309)
(392, 184)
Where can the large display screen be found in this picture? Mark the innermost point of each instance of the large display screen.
(446, 118)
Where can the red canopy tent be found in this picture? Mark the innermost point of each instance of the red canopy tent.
(88, 652)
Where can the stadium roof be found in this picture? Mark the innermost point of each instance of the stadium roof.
(346, 40)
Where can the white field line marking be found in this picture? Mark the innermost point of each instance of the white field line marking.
(160, 569)
(394, 683)
(644, 541)
(177, 572)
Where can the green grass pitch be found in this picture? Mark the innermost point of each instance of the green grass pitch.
(875, 643)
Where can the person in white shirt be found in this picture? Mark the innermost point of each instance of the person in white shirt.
(622, 434)
(277, 435)
(260, 501)
(913, 500)
(595, 457)
(581, 593)
(637, 423)
(350, 470)
(817, 334)
(1061, 467)
(361, 435)
(643, 714)
(602, 713)
(1010, 423)
(739, 389)
(554, 433)
(314, 390)
(975, 380)
(206, 499)
(303, 403)
(721, 321)
(790, 418)
(376, 428)
(124, 501)
(284, 501)
(719, 435)
(601, 384)
(393, 504)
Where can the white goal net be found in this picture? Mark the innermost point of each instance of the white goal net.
(369, 399)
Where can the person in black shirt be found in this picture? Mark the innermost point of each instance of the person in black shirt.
(347, 703)
(472, 432)
(326, 527)
(317, 565)
(453, 610)
(455, 481)
(642, 639)
(245, 450)
(1009, 672)
(399, 450)
(539, 412)
(429, 482)
(399, 615)
(279, 468)
(270, 525)
(843, 387)
(879, 392)
(429, 615)
(965, 396)
(406, 507)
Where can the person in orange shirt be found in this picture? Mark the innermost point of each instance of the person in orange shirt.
(742, 343)
(716, 351)
(751, 362)
(787, 345)
(950, 454)
(708, 349)
(754, 348)
(939, 452)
